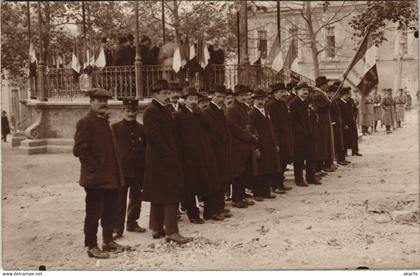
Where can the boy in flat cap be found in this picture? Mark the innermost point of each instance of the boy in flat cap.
(163, 182)
(131, 144)
(101, 174)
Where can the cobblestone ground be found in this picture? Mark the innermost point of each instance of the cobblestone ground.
(362, 215)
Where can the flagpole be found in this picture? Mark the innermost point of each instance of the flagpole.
(28, 16)
(137, 59)
(41, 87)
(84, 33)
(278, 21)
(352, 61)
(238, 35)
(163, 21)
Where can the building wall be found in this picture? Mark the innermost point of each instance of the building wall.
(392, 73)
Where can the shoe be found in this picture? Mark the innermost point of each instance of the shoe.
(329, 170)
(270, 196)
(197, 220)
(248, 195)
(248, 201)
(342, 163)
(348, 162)
(95, 252)
(177, 238)
(321, 174)
(239, 204)
(158, 234)
(135, 228)
(301, 184)
(226, 214)
(214, 217)
(258, 198)
(314, 181)
(116, 235)
(114, 247)
(286, 188)
(357, 154)
(279, 191)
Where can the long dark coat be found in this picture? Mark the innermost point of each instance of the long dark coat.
(95, 146)
(323, 133)
(302, 134)
(5, 127)
(337, 124)
(196, 152)
(377, 107)
(269, 162)
(241, 129)
(387, 105)
(367, 111)
(131, 143)
(216, 125)
(349, 124)
(163, 175)
(123, 56)
(282, 125)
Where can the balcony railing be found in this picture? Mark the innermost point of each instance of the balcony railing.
(120, 80)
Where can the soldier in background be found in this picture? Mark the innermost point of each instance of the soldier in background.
(377, 108)
(163, 182)
(100, 174)
(367, 113)
(280, 116)
(387, 105)
(131, 144)
(409, 101)
(400, 101)
(5, 127)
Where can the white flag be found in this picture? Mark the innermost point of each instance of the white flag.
(176, 61)
(100, 62)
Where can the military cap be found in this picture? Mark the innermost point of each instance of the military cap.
(189, 91)
(259, 93)
(302, 84)
(98, 93)
(175, 86)
(278, 86)
(321, 80)
(239, 89)
(130, 103)
(160, 84)
(218, 88)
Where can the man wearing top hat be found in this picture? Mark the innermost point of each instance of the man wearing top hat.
(244, 142)
(100, 175)
(215, 121)
(198, 159)
(163, 181)
(130, 138)
(303, 136)
(280, 117)
(267, 163)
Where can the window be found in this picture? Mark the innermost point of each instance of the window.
(262, 43)
(330, 50)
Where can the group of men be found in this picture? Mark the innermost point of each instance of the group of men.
(211, 147)
(385, 108)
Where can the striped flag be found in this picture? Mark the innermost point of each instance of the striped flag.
(33, 61)
(100, 61)
(203, 54)
(75, 62)
(275, 56)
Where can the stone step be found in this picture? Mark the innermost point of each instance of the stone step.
(59, 149)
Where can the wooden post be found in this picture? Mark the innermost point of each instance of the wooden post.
(138, 61)
(163, 22)
(41, 67)
(84, 34)
(246, 32)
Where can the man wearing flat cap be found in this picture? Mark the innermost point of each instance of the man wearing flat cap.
(101, 174)
(163, 181)
(215, 120)
(244, 142)
(303, 137)
(131, 144)
(198, 159)
(280, 116)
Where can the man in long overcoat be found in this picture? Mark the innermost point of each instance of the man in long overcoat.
(303, 136)
(220, 136)
(400, 101)
(377, 108)
(100, 174)
(267, 169)
(279, 113)
(387, 105)
(163, 182)
(244, 141)
(348, 110)
(5, 126)
(198, 159)
(367, 113)
(131, 143)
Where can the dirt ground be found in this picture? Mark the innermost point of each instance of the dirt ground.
(348, 222)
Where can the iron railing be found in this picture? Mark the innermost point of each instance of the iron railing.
(120, 80)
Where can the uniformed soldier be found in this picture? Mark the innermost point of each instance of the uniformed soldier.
(367, 113)
(387, 104)
(100, 175)
(400, 101)
(377, 108)
(130, 138)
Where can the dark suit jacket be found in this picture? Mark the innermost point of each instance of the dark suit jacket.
(123, 57)
(269, 162)
(241, 129)
(163, 177)
(197, 154)
(336, 119)
(216, 125)
(302, 129)
(131, 143)
(282, 125)
(94, 145)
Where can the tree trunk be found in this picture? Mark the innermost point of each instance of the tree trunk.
(312, 38)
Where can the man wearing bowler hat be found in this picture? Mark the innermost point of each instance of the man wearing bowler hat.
(244, 142)
(280, 116)
(131, 144)
(303, 136)
(163, 182)
(101, 174)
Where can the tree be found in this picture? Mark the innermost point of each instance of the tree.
(378, 13)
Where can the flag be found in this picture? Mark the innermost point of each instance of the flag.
(75, 62)
(362, 70)
(180, 55)
(191, 53)
(274, 51)
(60, 61)
(33, 61)
(291, 61)
(100, 61)
(203, 54)
(176, 60)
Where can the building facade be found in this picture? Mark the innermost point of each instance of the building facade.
(397, 58)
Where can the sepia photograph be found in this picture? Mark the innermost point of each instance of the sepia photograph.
(176, 135)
